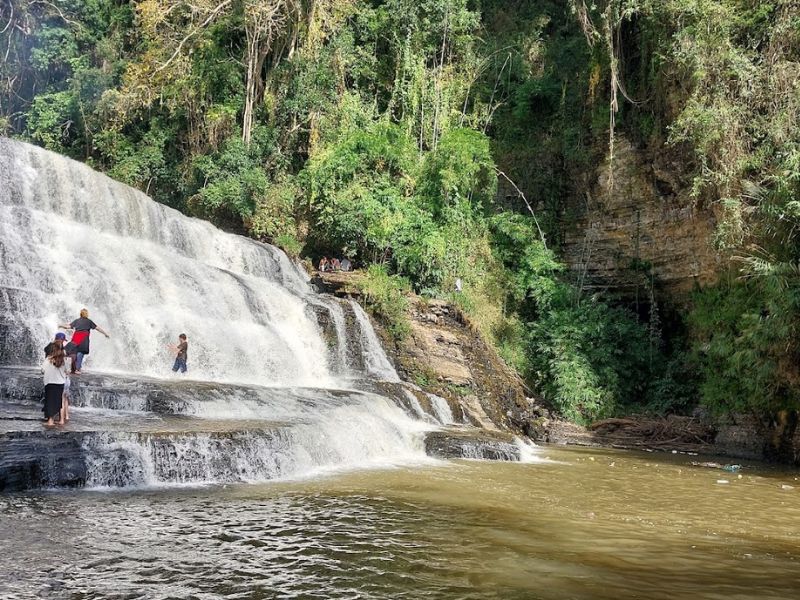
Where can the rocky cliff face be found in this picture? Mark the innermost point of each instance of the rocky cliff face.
(640, 227)
(445, 357)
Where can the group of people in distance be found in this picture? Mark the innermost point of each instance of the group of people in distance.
(61, 354)
(334, 264)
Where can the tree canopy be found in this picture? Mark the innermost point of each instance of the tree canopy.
(376, 129)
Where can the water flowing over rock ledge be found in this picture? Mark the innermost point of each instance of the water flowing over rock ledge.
(134, 432)
(448, 358)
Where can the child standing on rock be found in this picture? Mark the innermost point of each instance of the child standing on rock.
(180, 351)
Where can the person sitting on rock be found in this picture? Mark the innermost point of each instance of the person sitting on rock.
(335, 266)
(346, 265)
(323, 264)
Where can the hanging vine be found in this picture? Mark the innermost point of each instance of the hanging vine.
(615, 13)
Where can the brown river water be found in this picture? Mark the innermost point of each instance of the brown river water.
(581, 525)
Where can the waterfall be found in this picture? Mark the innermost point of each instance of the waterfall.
(377, 363)
(356, 431)
(73, 238)
(441, 409)
(269, 359)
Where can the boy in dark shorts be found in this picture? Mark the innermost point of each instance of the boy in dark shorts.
(180, 351)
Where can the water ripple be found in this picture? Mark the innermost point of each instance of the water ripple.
(478, 531)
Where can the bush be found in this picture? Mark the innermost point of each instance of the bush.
(589, 358)
(233, 181)
(586, 357)
(458, 179)
(385, 295)
(274, 216)
(359, 191)
(746, 345)
(49, 118)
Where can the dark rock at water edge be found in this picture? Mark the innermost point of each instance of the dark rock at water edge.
(156, 438)
(742, 437)
(41, 460)
(472, 443)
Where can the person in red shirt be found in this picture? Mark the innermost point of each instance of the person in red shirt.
(78, 346)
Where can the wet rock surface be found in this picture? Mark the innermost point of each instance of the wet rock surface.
(36, 459)
(141, 431)
(448, 357)
(472, 443)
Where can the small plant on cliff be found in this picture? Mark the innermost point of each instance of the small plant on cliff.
(385, 296)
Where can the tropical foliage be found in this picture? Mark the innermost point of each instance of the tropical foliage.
(373, 129)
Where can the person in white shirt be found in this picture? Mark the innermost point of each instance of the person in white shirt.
(61, 339)
(54, 369)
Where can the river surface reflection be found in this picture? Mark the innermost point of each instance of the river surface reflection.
(585, 524)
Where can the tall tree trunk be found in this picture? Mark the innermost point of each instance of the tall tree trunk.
(250, 86)
(262, 21)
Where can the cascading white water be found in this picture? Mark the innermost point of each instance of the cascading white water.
(266, 354)
(73, 238)
(312, 438)
(376, 362)
(340, 360)
(441, 409)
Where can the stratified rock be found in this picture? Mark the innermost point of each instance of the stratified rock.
(448, 357)
(644, 215)
(35, 459)
(740, 438)
(144, 431)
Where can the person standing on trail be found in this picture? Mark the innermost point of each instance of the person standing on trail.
(78, 346)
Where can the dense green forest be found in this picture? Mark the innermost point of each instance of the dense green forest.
(381, 129)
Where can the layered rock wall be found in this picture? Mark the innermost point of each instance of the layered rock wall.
(640, 227)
